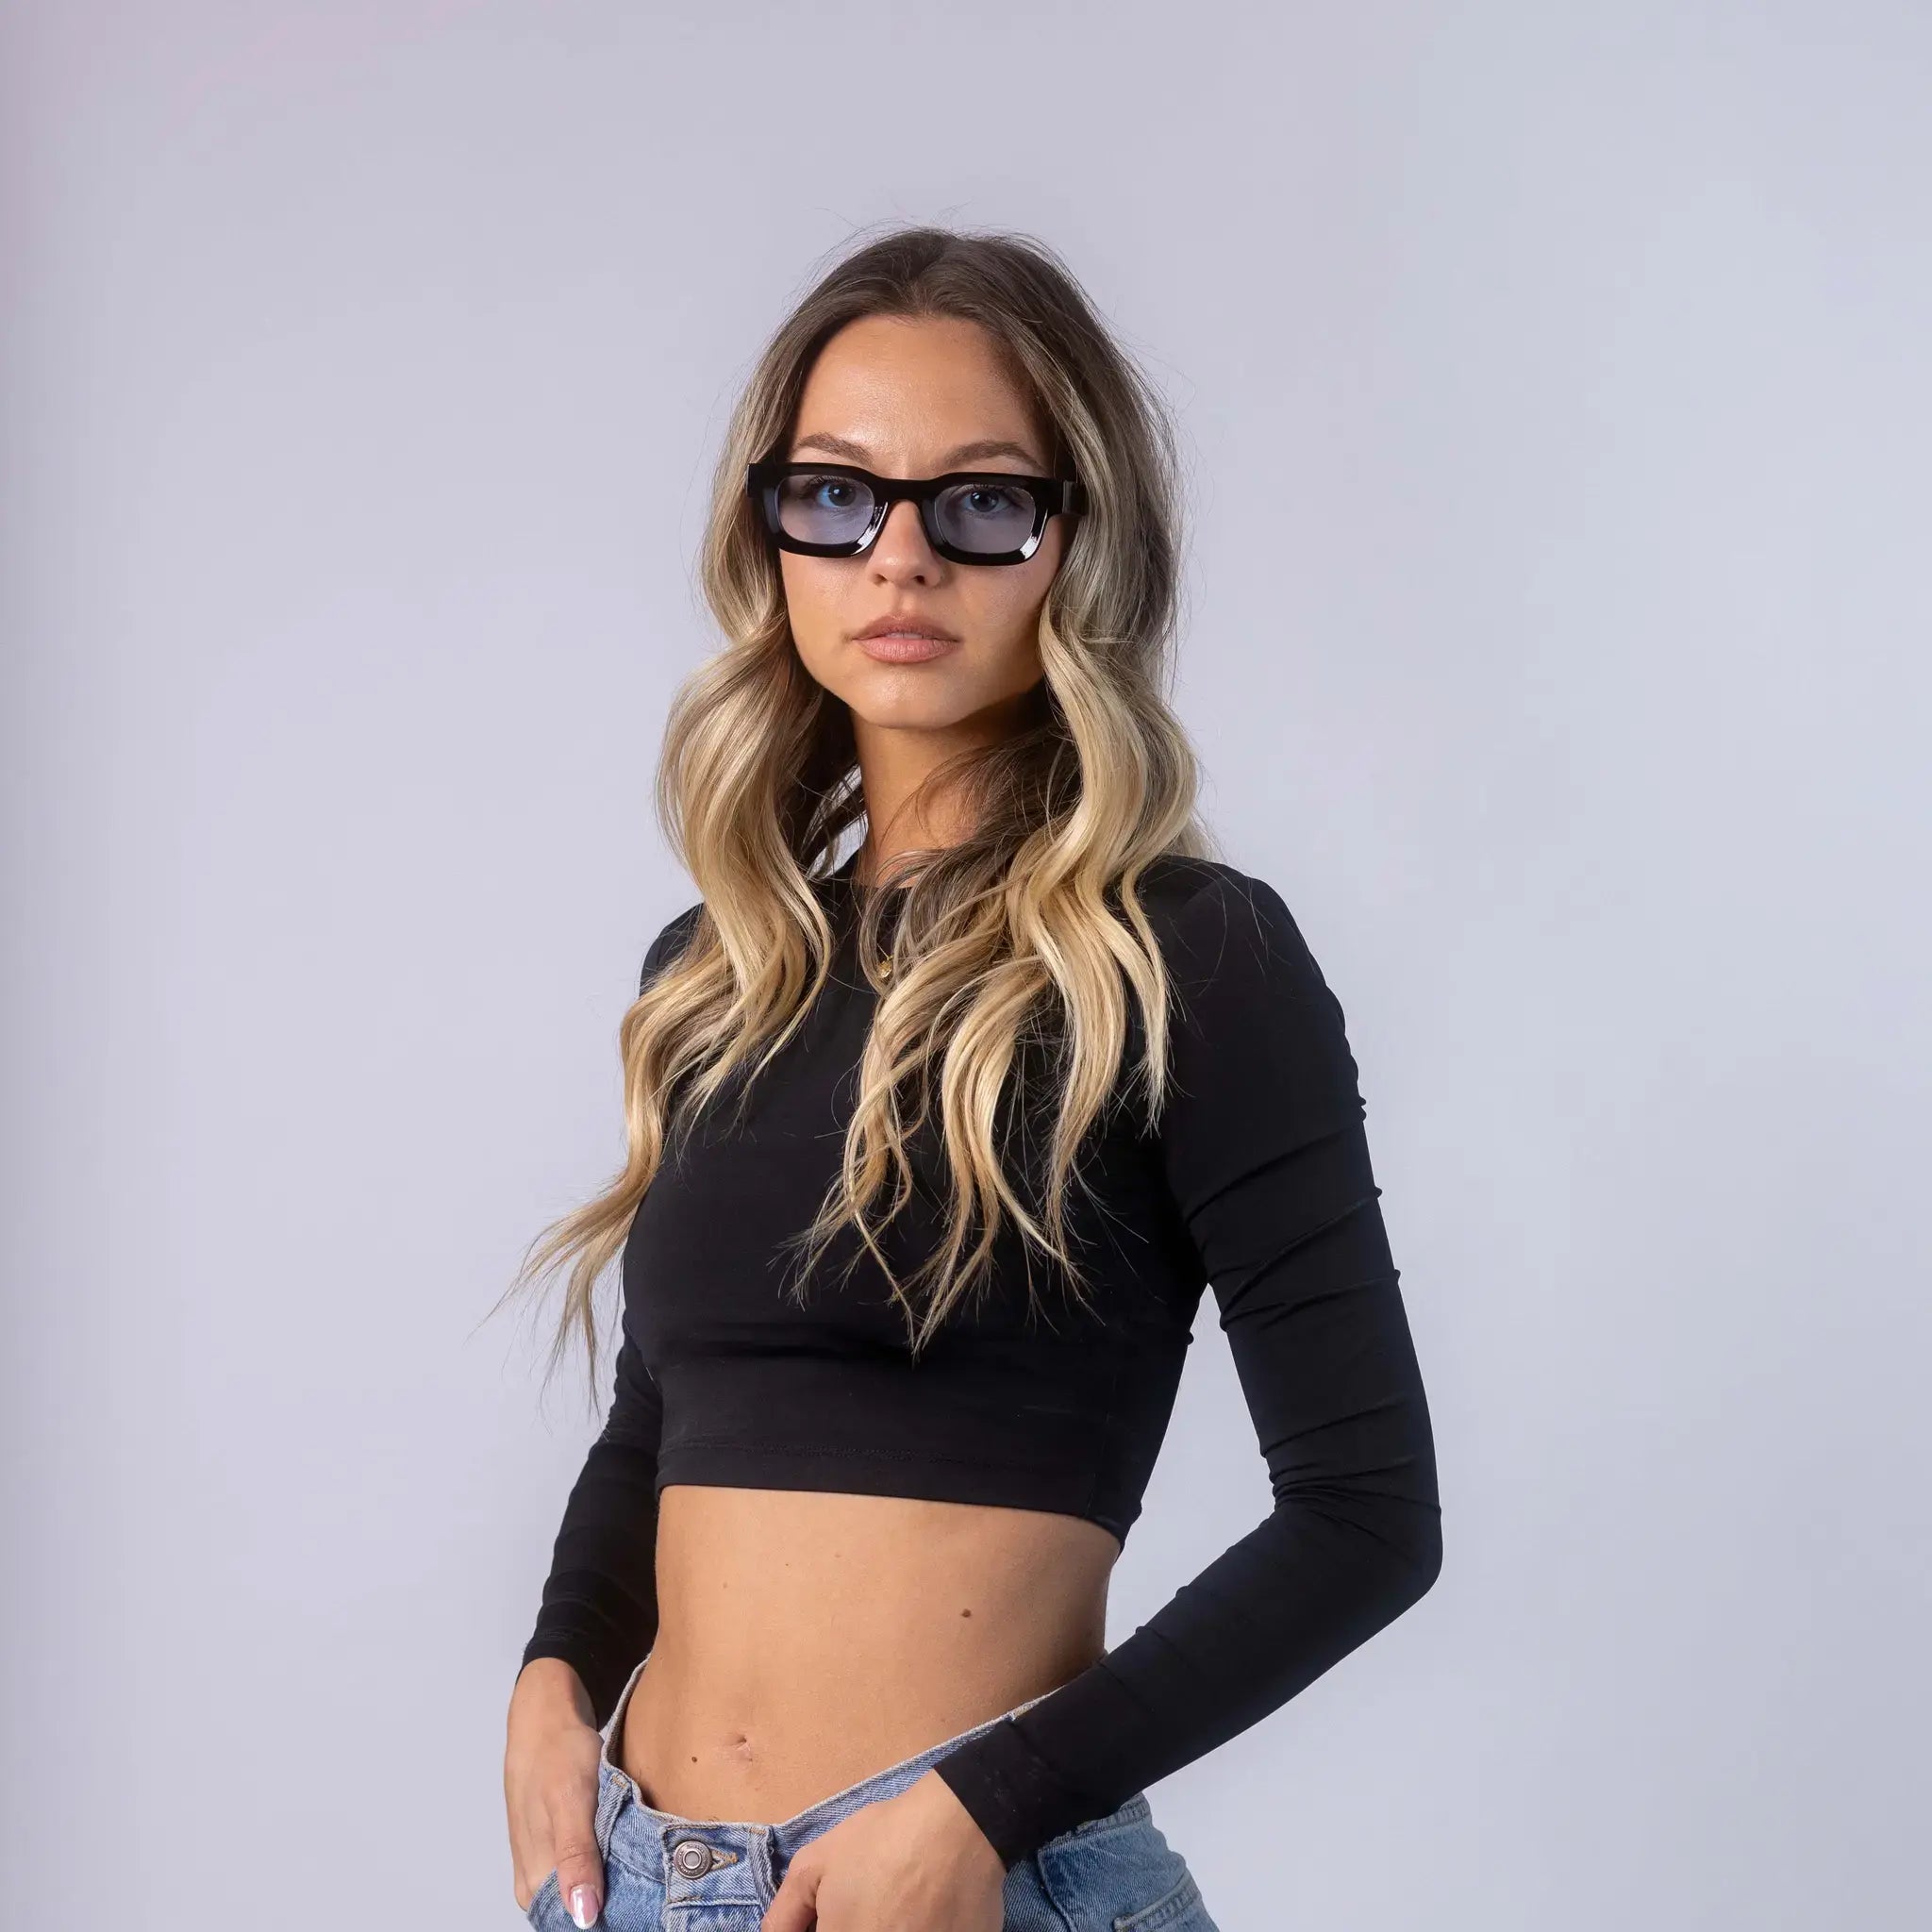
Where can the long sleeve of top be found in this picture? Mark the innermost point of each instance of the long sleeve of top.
(1263, 1150)
(599, 1605)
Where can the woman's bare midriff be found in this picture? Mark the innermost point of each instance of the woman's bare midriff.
(807, 1640)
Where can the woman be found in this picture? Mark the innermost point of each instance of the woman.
(933, 1152)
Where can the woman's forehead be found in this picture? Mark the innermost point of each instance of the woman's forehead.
(878, 395)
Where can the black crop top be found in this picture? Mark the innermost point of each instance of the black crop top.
(1257, 1183)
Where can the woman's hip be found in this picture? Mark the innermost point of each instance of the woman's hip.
(1116, 1874)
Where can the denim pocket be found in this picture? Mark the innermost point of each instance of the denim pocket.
(546, 1898)
(1118, 1873)
(1181, 1911)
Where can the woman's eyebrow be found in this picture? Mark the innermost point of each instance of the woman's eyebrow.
(967, 452)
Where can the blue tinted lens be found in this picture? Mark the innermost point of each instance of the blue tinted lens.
(990, 517)
(823, 509)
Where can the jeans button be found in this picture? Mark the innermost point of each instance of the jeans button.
(693, 1856)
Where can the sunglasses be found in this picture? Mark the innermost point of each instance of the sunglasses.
(969, 516)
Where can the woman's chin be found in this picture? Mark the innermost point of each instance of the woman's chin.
(911, 697)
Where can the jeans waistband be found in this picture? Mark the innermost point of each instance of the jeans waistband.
(775, 1846)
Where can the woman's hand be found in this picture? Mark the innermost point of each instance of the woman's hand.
(550, 1786)
(913, 1863)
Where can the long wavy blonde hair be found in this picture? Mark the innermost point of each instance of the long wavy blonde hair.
(1020, 946)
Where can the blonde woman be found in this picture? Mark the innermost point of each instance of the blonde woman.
(934, 1148)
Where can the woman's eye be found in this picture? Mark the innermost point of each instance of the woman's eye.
(986, 500)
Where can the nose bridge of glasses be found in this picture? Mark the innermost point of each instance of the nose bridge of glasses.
(904, 505)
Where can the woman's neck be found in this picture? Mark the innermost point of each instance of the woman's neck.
(909, 807)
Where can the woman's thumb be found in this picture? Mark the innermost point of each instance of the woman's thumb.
(580, 1876)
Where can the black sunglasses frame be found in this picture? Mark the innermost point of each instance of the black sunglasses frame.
(1051, 496)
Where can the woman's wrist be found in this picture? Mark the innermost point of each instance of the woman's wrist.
(548, 1691)
(962, 1826)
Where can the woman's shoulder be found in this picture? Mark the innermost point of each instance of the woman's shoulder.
(671, 941)
(1216, 922)
(1193, 893)
(1168, 882)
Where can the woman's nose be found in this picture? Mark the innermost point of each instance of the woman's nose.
(900, 548)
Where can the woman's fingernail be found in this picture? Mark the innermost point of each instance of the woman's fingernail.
(583, 1906)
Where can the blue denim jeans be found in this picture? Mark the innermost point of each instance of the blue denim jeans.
(666, 1873)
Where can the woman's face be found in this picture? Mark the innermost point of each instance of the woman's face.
(917, 398)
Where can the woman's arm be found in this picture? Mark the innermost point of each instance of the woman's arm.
(1265, 1154)
(599, 1609)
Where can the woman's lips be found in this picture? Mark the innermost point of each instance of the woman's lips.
(905, 647)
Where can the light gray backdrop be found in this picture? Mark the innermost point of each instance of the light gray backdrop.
(1554, 382)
